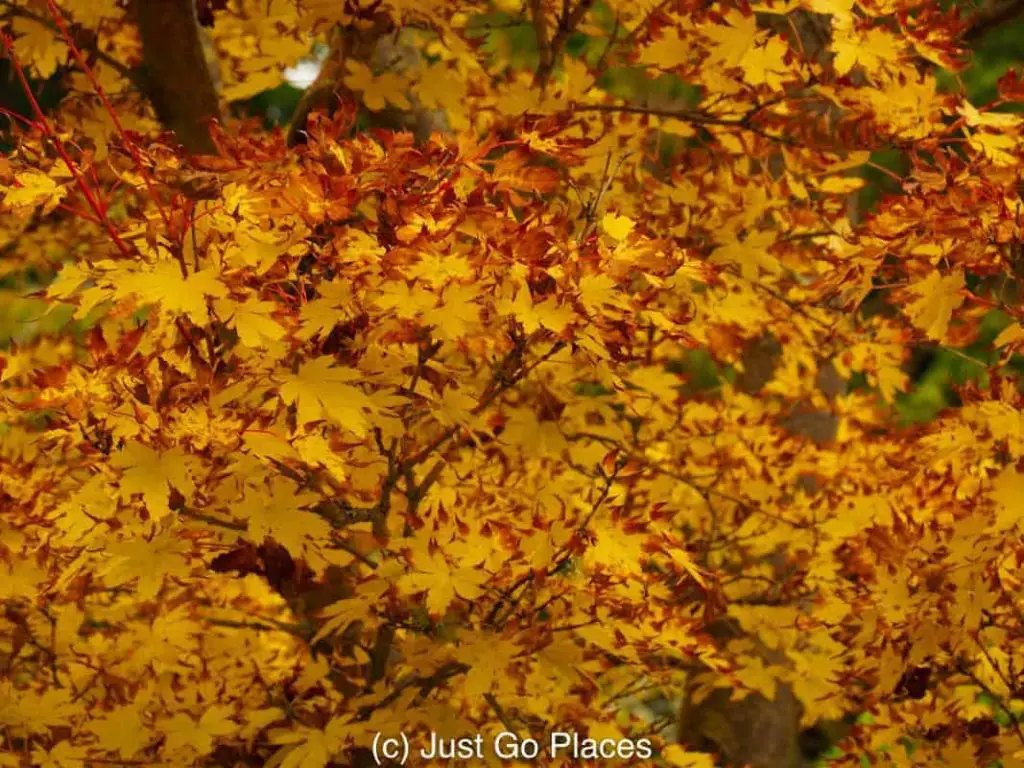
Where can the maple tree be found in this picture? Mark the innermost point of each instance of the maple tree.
(573, 387)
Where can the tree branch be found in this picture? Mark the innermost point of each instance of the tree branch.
(687, 115)
(501, 385)
(541, 31)
(380, 656)
(550, 50)
(425, 684)
(989, 18)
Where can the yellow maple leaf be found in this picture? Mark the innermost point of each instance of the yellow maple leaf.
(669, 51)
(20, 577)
(377, 90)
(407, 303)
(38, 46)
(183, 730)
(122, 731)
(1008, 494)
(734, 39)
(442, 87)
(358, 608)
(335, 303)
(321, 391)
(1011, 334)
(458, 313)
(488, 658)
(532, 435)
(164, 284)
(91, 12)
(750, 254)
(960, 755)
(890, 380)
(34, 188)
(616, 550)
(253, 248)
(149, 561)
(63, 755)
(659, 383)
(755, 675)
(22, 709)
(315, 450)
(456, 407)
(309, 747)
(442, 583)
(70, 278)
(681, 556)
(873, 49)
(548, 313)
(153, 474)
(258, 719)
(841, 184)
(617, 226)
(252, 320)
(938, 296)
(1000, 148)
(268, 444)
(765, 63)
(278, 512)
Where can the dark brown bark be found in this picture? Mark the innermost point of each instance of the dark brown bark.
(752, 732)
(756, 731)
(329, 89)
(377, 46)
(991, 17)
(176, 75)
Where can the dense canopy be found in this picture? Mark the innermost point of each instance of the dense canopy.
(549, 363)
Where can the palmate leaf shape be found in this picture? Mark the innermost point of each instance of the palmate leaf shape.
(750, 255)
(278, 512)
(164, 284)
(320, 390)
(122, 732)
(936, 297)
(378, 90)
(442, 583)
(150, 562)
(35, 42)
(309, 747)
(34, 189)
(184, 731)
(617, 226)
(153, 474)
(253, 321)
(1006, 493)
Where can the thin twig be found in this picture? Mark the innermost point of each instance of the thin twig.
(551, 49)
(500, 712)
(134, 76)
(996, 698)
(128, 143)
(425, 684)
(744, 123)
(94, 202)
(495, 391)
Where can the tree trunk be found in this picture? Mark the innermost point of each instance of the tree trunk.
(378, 47)
(756, 731)
(177, 77)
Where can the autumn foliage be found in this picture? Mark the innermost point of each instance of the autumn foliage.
(493, 429)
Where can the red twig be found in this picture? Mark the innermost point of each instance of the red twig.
(79, 214)
(58, 19)
(15, 116)
(44, 124)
